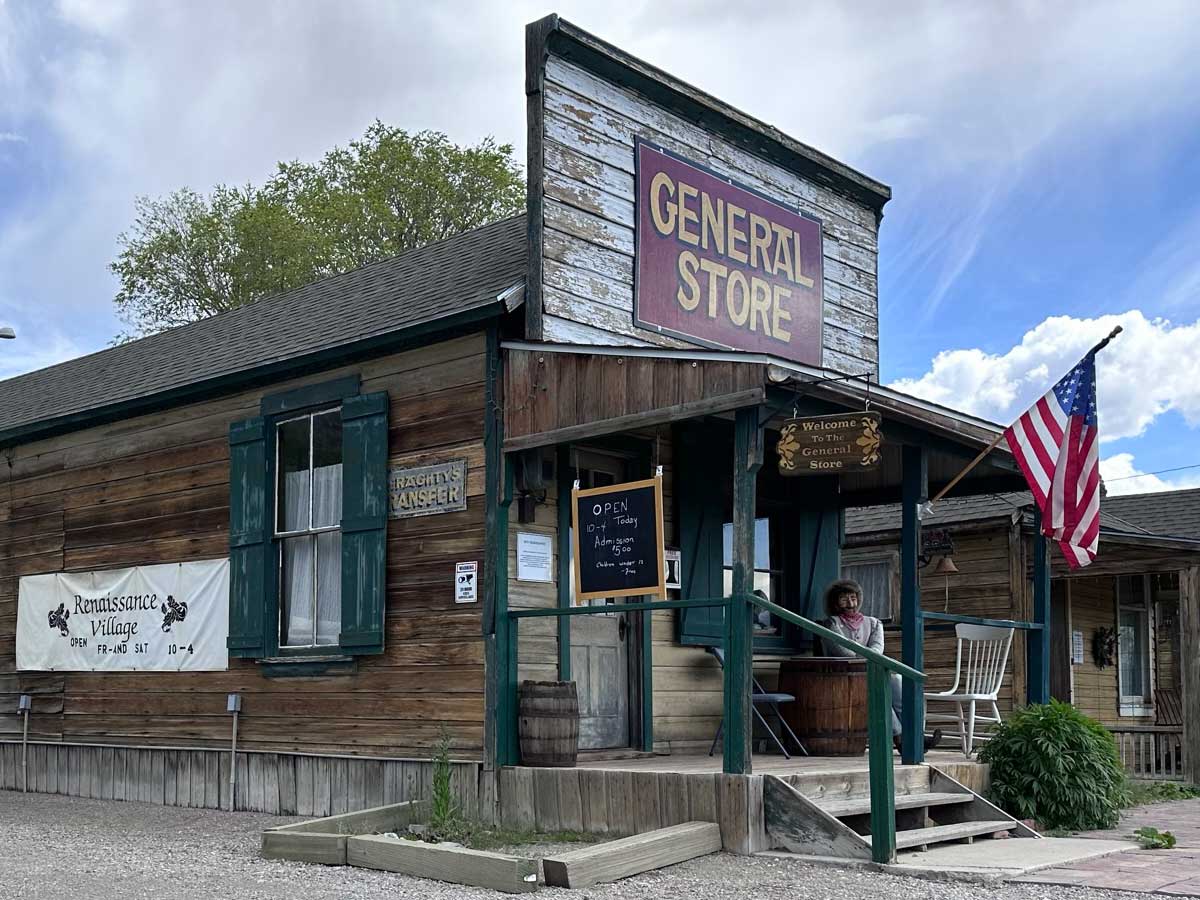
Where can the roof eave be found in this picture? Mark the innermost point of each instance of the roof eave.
(328, 357)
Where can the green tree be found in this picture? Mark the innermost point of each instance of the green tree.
(188, 256)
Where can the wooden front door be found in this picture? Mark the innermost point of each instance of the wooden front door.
(600, 643)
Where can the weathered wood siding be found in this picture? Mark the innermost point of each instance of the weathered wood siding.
(155, 489)
(277, 783)
(587, 201)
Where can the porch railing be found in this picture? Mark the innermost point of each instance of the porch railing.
(879, 700)
(1151, 752)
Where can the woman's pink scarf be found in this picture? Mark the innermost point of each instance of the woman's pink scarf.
(852, 619)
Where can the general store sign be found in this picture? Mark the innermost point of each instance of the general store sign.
(721, 265)
(426, 490)
(163, 618)
(830, 445)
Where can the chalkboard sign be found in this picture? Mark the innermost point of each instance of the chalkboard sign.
(618, 536)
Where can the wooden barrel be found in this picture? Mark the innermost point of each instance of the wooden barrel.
(830, 712)
(549, 723)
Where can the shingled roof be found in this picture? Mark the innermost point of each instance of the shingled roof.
(450, 279)
(1114, 517)
(1164, 512)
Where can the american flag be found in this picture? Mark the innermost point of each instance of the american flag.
(1055, 443)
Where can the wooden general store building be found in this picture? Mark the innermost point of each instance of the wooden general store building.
(516, 354)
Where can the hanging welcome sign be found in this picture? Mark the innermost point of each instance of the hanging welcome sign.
(719, 264)
(830, 445)
(163, 618)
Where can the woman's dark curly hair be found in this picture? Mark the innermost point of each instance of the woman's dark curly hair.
(836, 589)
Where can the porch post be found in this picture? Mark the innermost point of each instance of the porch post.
(914, 492)
(1189, 669)
(739, 663)
(1037, 640)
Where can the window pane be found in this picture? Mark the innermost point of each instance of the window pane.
(876, 581)
(329, 586)
(327, 469)
(1132, 648)
(762, 543)
(293, 486)
(296, 592)
(1131, 589)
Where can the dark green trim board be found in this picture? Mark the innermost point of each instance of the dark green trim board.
(507, 713)
(647, 692)
(882, 775)
(747, 460)
(310, 395)
(249, 543)
(702, 454)
(210, 389)
(494, 620)
(364, 522)
(915, 476)
(565, 479)
(1037, 642)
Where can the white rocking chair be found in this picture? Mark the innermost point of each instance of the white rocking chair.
(978, 672)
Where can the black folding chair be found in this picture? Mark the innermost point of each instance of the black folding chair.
(760, 697)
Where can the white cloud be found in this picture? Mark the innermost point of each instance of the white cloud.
(129, 97)
(24, 355)
(11, 137)
(1121, 476)
(1152, 368)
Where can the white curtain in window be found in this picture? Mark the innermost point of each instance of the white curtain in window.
(1131, 645)
(327, 496)
(329, 587)
(295, 501)
(297, 591)
(876, 581)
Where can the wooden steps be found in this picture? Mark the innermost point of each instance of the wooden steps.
(829, 813)
(940, 834)
(861, 806)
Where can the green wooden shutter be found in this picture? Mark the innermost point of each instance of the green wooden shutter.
(364, 522)
(703, 464)
(249, 537)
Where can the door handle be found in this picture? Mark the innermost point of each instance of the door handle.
(622, 627)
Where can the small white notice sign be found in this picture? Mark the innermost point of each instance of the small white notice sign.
(534, 557)
(466, 582)
(1076, 647)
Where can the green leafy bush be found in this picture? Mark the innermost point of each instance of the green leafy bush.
(1055, 765)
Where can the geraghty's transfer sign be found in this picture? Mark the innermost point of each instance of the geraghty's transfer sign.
(163, 618)
(426, 490)
(722, 265)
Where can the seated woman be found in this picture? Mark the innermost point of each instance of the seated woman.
(842, 600)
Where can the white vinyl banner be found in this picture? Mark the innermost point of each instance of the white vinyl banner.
(165, 618)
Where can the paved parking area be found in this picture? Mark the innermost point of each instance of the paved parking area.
(65, 848)
(1171, 872)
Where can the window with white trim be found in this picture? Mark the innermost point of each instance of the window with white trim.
(1135, 662)
(308, 516)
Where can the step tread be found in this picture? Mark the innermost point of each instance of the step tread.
(862, 805)
(917, 837)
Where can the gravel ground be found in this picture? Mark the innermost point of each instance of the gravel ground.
(64, 848)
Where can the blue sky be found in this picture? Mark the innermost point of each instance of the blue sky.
(1044, 157)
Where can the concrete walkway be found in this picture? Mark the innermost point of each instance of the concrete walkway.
(1172, 872)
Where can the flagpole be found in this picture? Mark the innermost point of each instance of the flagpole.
(992, 446)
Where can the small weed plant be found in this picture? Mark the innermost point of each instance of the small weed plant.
(1142, 793)
(1153, 839)
(445, 817)
(1053, 764)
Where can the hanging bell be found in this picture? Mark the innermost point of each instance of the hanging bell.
(945, 566)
